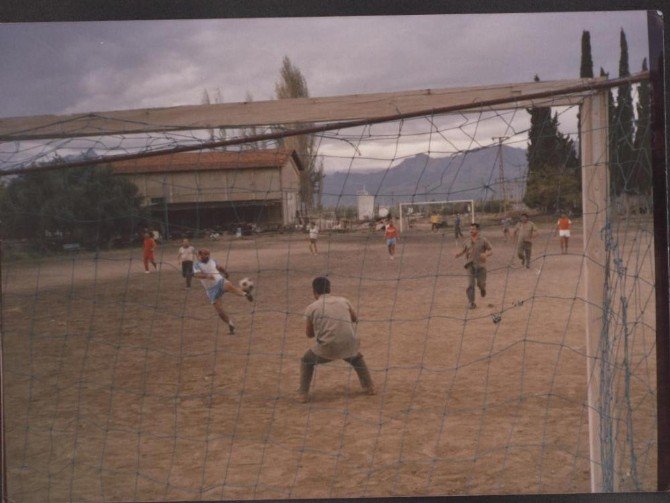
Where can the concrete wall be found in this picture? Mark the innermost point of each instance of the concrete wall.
(273, 184)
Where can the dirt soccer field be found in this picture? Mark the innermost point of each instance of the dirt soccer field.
(120, 385)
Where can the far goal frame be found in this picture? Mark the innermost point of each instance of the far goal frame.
(471, 202)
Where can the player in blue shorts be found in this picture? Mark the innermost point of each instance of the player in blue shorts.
(213, 278)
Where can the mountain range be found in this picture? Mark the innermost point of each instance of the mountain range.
(472, 175)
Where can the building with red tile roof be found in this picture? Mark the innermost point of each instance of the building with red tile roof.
(218, 189)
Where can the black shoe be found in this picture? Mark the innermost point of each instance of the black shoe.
(472, 305)
(231, 328)
(483, 292)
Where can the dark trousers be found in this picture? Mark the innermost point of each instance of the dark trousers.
(477, 276)
(187, 271)
(523, 252)
(311, 360)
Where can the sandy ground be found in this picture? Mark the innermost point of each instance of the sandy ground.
(120, 385)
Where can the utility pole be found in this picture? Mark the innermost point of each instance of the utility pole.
(166, 220)
(501, 139)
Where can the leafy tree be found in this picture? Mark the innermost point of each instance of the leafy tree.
(89, 206)
(292, 84)
(317, 179)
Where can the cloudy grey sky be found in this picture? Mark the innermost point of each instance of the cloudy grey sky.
(57, 68)
(63, 68)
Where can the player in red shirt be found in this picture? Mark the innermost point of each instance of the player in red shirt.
(563, 230)
(391, 236)
(148, 247)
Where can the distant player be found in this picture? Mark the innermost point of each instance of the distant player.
(214, 279)
(524, 233)
(148, 247)
(313, 237)
(476, 250)
(435, 222)
(391, 235)
(330, 321)
(563, 227)
(186, 258)
(506, 223)
(458, 233)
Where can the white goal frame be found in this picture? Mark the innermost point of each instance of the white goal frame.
(471, 202)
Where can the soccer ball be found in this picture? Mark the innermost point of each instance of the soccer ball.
(246, 284)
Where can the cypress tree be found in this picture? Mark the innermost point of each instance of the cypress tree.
(641, 176)
(611, 119)
(553, 166)
(586, 68)
(622, 160)
(585, 72)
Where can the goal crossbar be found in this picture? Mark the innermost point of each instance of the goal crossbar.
(369, 108)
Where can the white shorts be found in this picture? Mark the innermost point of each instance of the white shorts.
(564, 233)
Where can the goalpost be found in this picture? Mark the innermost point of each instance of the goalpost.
(403, 208)
(125, 386)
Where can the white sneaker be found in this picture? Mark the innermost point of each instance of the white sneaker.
(147, 272)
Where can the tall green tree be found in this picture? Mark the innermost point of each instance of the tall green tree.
(610, 116)
(553, 167)
(585, 72)
(90, 206)
(623, 157)
(586, 66)
(641, 179)
(292, 84)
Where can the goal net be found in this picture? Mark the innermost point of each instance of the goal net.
(121, 384)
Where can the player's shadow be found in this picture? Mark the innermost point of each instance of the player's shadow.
(337, 394)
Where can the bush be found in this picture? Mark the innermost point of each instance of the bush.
(89, 206)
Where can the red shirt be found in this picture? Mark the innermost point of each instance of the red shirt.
(148, 245)
(564, 224)
(391, 232)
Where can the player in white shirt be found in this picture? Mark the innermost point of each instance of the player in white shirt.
(213, 278)
(313, 236)
(186, 258)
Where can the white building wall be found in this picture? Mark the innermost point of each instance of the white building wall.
(366, 206)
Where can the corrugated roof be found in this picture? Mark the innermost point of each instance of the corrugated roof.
(206, 160)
